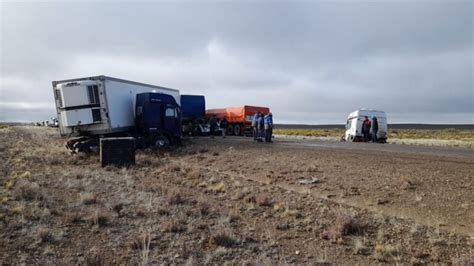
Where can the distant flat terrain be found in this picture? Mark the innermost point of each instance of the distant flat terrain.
(391, 126)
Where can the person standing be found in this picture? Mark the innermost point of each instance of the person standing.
(212, 125)
(224, 125)
(268, 127)
(260, 125)
(255, 126)
(366, 129)
(375, 128)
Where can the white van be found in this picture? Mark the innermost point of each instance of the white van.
(354, 125)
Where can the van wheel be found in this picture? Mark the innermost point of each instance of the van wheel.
(237, 130)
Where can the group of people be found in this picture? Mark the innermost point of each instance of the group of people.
(367, 125)
(262, 127)
(214, 124)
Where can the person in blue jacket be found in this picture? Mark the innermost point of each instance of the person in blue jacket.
(268, 120)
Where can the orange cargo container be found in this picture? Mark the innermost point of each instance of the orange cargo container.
(239, 118)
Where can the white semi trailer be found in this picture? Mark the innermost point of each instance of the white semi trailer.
(354, 124)
(100, 105)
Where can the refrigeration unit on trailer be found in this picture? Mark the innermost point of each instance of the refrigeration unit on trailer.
(100, 105)
(355, 120)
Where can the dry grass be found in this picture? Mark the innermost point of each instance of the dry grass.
(346, 225)
(44, 235)
(386, 253)
(292, 213)
(176, 199)
(438, 134)
(88, 198)
(360, 248)
(196, 223)
(331, 132)
(99, 218)
(174, 226)
(73, 217)
(263, 200)
(217, 188)
(27, 191)
(222, 239)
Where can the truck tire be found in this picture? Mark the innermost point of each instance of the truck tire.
(160, 141)
(229, 130)
(237, 130)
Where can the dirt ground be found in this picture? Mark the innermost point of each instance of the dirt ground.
(232, 200)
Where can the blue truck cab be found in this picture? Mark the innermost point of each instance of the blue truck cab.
(158, 118)
(193, 109)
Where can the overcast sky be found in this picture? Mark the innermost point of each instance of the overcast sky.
(310, 62)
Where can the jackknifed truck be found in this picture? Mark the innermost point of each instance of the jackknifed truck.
(95, 107)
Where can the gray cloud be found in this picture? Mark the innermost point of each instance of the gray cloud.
(310, 62)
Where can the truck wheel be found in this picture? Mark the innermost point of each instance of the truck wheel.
(230, 130)
(161, 141)
(351, 138)
(237, 130)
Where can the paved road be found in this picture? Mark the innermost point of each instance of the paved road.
(395, 148)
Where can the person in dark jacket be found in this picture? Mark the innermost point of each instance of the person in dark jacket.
(254, 125)
(213, 125)
(375, 128)
(224, 125)
(261, 126)
(366, 129)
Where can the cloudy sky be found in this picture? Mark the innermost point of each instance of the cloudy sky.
(311, 62)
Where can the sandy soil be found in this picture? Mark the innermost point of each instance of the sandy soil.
(232, 200)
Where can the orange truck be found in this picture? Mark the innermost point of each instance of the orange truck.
(239, 118)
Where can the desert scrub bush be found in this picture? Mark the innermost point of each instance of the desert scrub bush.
(27, 191)
(222, 239)
(292, 213)
(217, 188)
(99, 218)
(176, 199)
(360, 248)
(263, 200)
(204, 208)
(140, 241)
(44, 235)
(279, 206)
(17, 210)
(194, 174)
(344, 224)
(386, 253)
(174, 226)
(72, 217)
(88, 198)
(95, 260)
